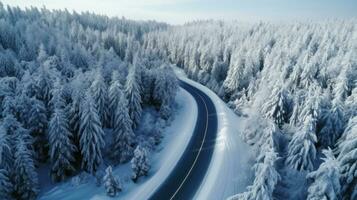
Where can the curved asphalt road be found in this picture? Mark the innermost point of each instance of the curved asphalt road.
(186, 177)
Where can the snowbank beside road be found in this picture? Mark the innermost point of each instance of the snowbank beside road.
(178, 137)
(230, 170)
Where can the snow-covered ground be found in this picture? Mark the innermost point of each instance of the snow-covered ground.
(230, 169)
(176, 138)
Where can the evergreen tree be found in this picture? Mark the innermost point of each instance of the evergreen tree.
(61, 147)
(5, 184)
(277, 106)
(165, 86)
(5, 165)
(326, 179)
(37, 124)
(334, 124)
(44, 84)
(99, 93)
(111, 184)
(74, 113)
(5, 149)
(26, 180)
(13, 129)
(347, 148)
(91, 139)
(29, 84)
(312, 105)
(148, 80)
(234, 76)
(266, 178)
(42, 54)
(132, 91)
(301, 149)
(115, 93)
(9, 107)
(57, 98)
(140, 163)
(123, 133)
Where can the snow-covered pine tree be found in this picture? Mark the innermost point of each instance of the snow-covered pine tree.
(334, 124)
(148, 79)
(351, 104)
(132, 91)
(42, 54)
(37, 124)
(298, 102)
(312, 105)
(326, 179)
(61, 147)
(140, 163)
(26, 180)
(260, 132)
(347, 149)
(91, 139)
(13, 129)
(22, 107)
(9, 107)
(277, 106)
(5, 165)
(111, 184)
(5, 184)
(234, 76)
(29, 84)
(266, 178)
(301, 149)
(57, 100)
(5, 150)
(115, 93)
(74, 113)
(44, 84)
(123, 133)
(165, 86)
(344, 81)
(99, 92)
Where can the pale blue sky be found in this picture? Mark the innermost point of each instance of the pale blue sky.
(180, 11)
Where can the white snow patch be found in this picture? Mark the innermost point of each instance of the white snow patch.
(175, 141)
(230, 170)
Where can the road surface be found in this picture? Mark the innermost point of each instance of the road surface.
(187, 176)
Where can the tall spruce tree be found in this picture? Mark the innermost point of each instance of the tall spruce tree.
(123, 133)
(326, 179)
(37, 124)
(99, 93)
(115, 94)
(61, 147)
(91, 139)
(26, 178)
(132, 91)
(301, 149)
(347, 149)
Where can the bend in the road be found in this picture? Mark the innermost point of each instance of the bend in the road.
(190, 170)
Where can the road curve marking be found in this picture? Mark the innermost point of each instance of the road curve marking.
(194, 162)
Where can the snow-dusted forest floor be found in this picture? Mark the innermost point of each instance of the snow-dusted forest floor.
(175, 137)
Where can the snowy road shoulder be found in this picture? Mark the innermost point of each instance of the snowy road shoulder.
(230, 170)
(177, 137)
